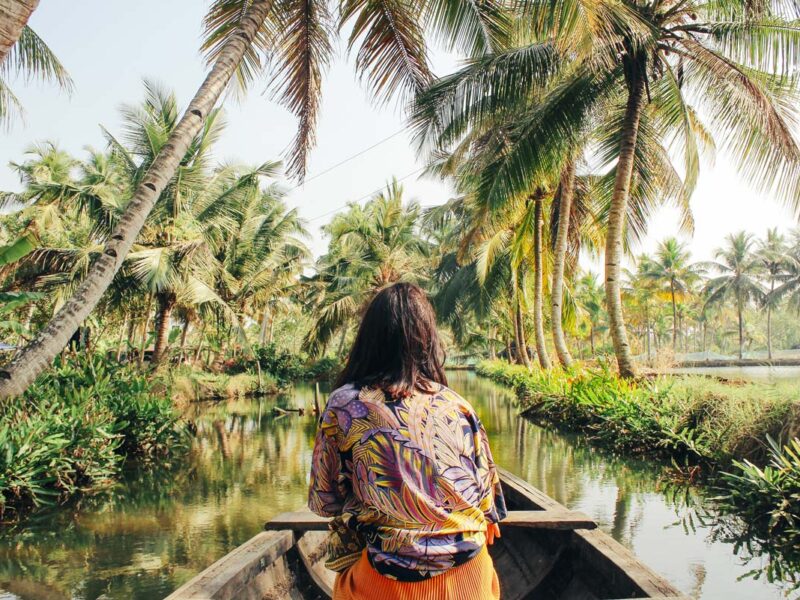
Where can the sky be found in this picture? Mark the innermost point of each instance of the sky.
(110, 47)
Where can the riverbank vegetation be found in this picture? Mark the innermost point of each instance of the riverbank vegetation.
(708, 421)
(713, 432)
(76, 426)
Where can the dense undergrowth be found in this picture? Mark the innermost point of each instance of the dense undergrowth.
(74, 428)
(727, 430)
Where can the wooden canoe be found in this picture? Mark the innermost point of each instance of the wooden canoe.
(546, 552)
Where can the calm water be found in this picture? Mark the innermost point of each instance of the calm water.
(155, 532)
(746, 373)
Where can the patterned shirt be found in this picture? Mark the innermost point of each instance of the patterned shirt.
(413, 477)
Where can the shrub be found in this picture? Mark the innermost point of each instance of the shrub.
(767, 503)
(75, 426)
(324, 369)
(284, 366)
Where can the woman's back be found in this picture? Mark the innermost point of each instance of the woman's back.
(413, 476)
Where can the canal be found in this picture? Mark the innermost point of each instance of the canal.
(161, 526)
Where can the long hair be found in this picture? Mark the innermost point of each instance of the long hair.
(397, 347)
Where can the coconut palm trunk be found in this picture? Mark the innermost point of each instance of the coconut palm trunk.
(519, 333)
(559, 259)
(616, 222)
(14, 15)
(741, 326)
(769, 317)
(166, 303)
(538, 283)
(145, 329)
(41, 351)
(674, 316)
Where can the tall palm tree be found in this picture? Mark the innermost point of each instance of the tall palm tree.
(671, 268)
(40, 352)
(773, 252)
(626, 71)
(172, 240)
(789, 288)
(566, 191)
(14, 15)
(739, 270)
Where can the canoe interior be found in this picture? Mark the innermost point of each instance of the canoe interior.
(532, 563)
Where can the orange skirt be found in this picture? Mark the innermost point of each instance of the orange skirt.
(476, 579)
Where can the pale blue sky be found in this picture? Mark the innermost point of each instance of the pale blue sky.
(110, 46)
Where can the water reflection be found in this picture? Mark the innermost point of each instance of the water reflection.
(152, 533)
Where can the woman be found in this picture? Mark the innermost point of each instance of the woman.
(403, 465)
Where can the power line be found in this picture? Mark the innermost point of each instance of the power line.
(366, 196)
(349, 158)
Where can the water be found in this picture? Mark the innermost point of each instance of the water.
(762, 373)
(155, 532)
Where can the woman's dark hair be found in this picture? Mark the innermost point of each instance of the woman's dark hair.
(397, 347)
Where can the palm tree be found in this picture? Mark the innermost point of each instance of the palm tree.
(370, 247)
(790, 276)
(40, 352)
(624, 72)
(30, 58)
(739, 270)
(566, 191)
(589, 294)
(774, 257)
(671, 267)
(14, 15)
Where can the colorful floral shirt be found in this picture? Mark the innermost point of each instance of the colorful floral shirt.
(414, 477)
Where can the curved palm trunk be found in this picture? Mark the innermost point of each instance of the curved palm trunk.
(14, 15)
(39, 354)
(616, 226)
(166, 302)
(559, 259)
(538, 284)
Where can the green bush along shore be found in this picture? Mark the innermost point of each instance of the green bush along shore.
(75, 427)
(729, 429)
(706, 420)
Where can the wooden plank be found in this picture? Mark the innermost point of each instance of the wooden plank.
(548, 519)
(299, 520)
(305, 520)
(231, 575)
